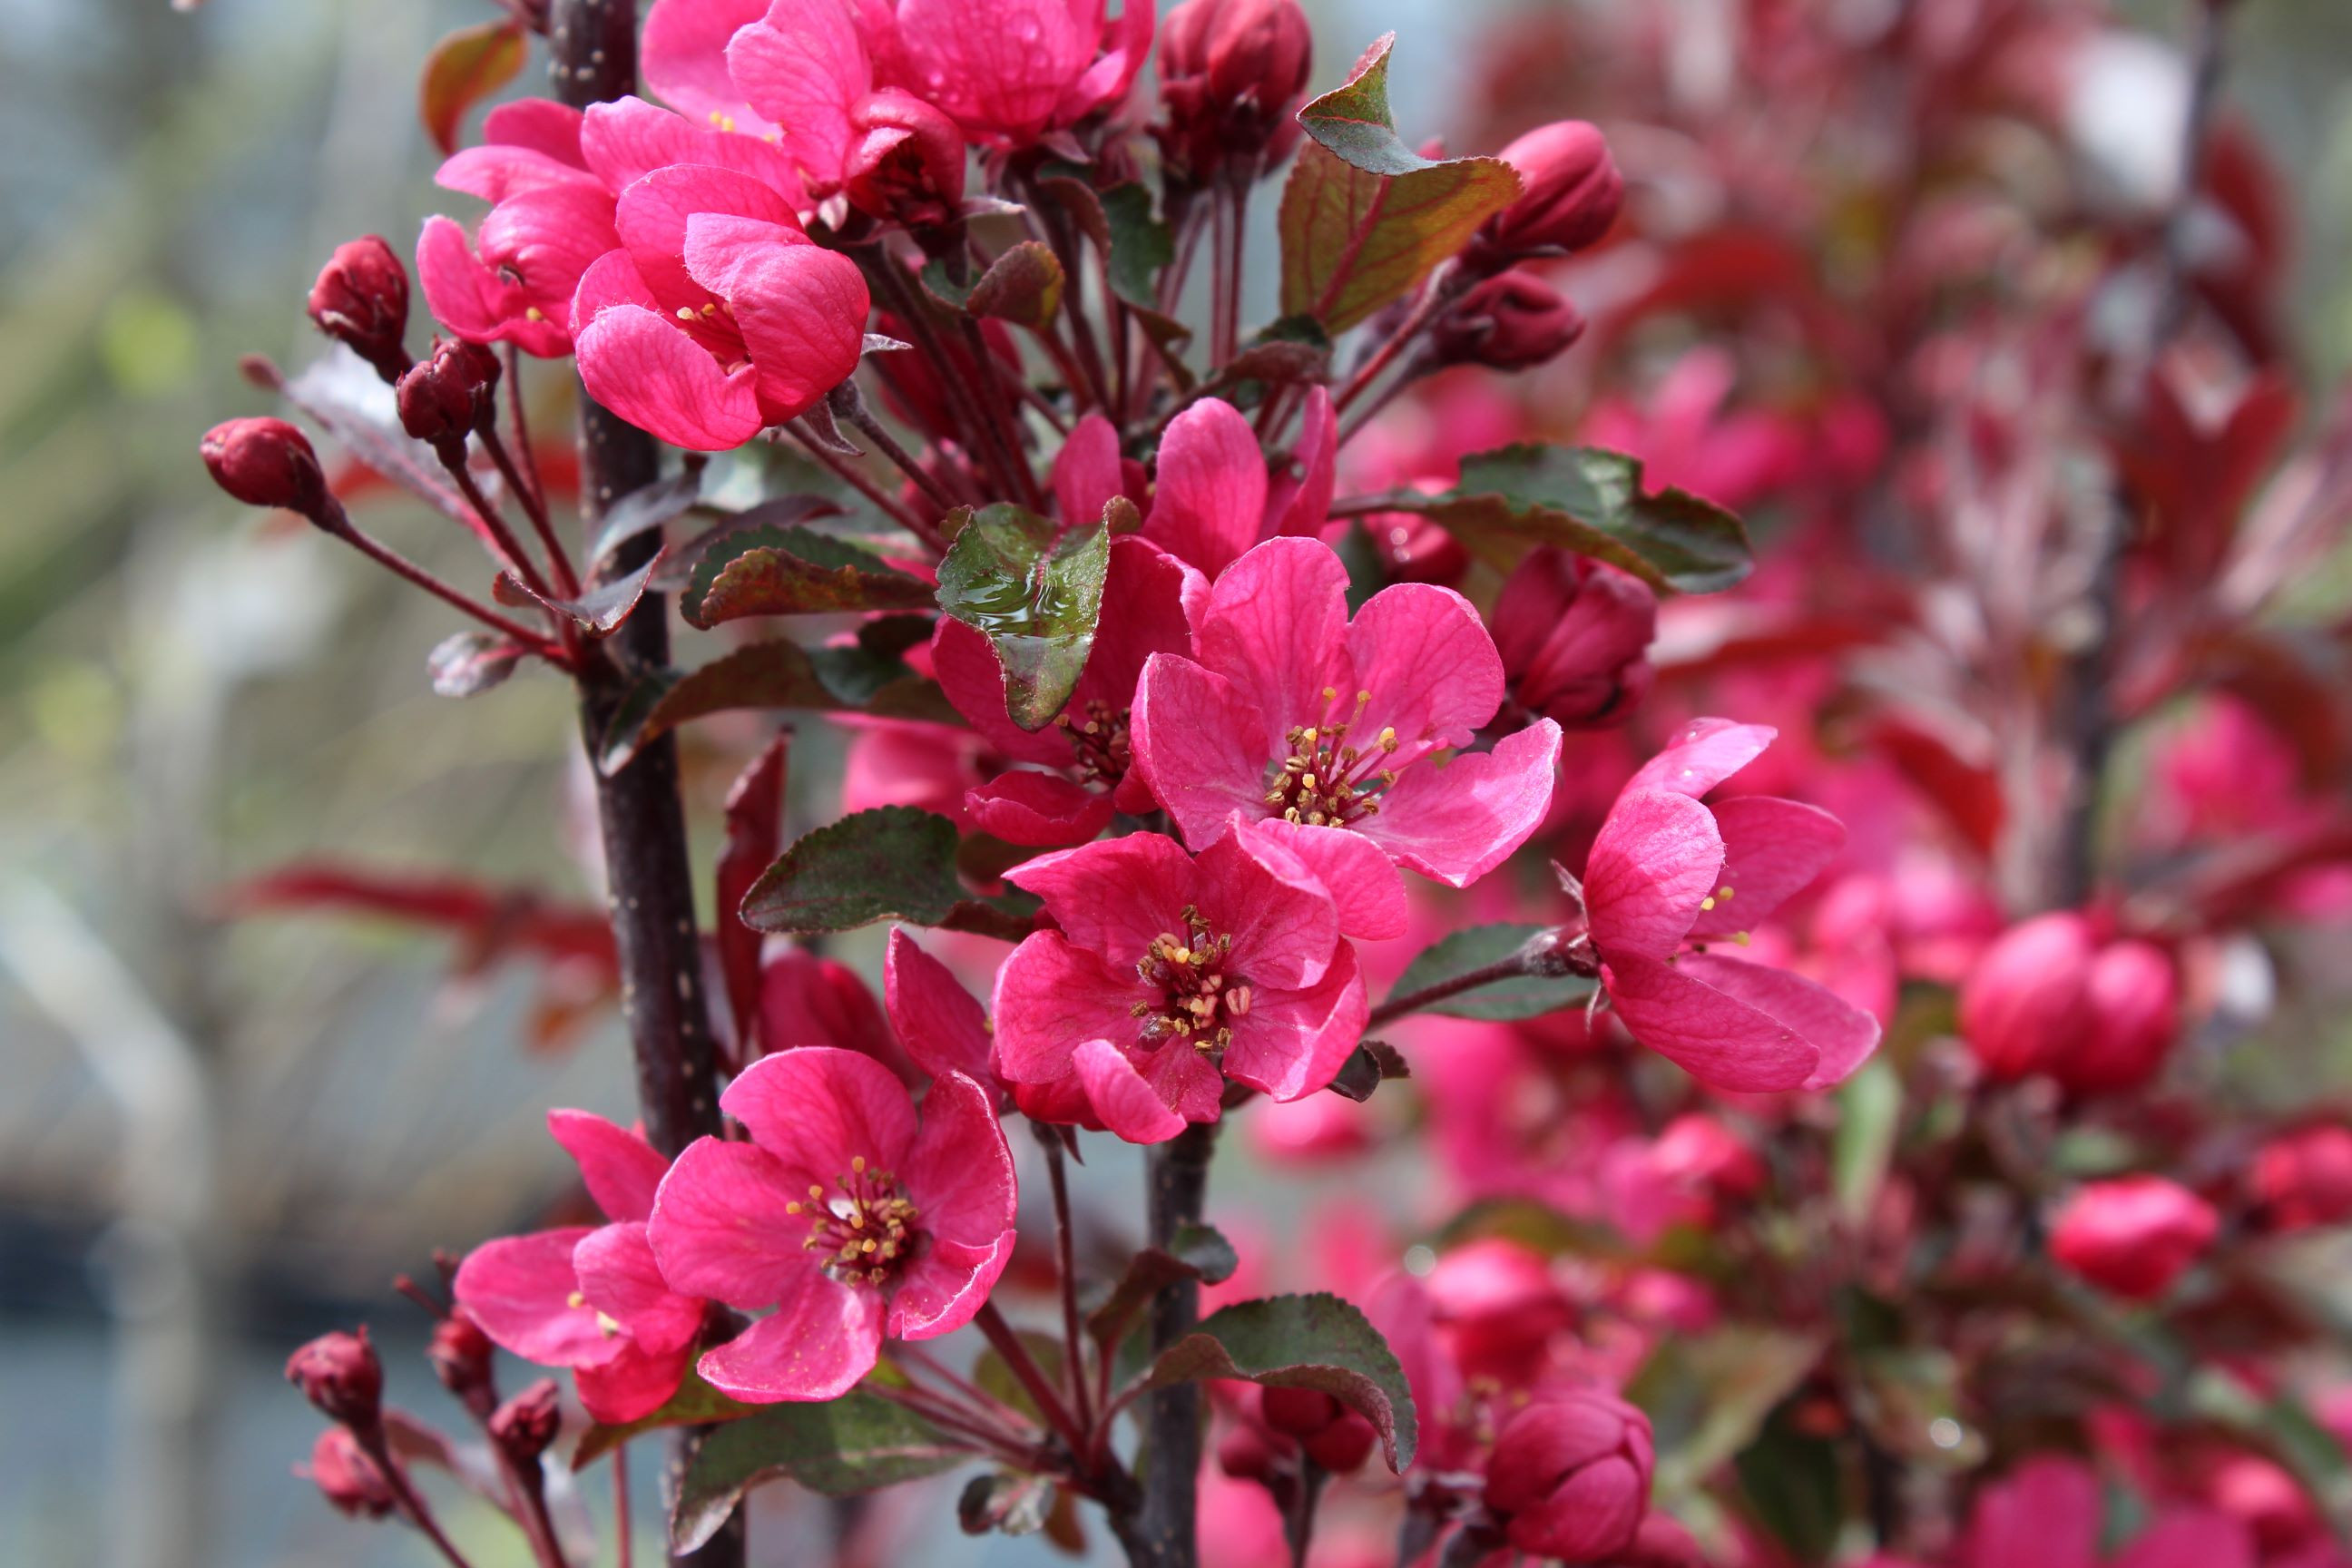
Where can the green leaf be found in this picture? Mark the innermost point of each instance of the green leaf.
(1589, 501)
(1792, 1484)
(992, 1372)
(793, 571)
(1869, 1110)
(464, 69)
(1364, 218)
(1035, 593)
(1140, 246)
(1505, 1001)
(1317, 1342)
(696, 1404)
(854, 1444)
(1022, 286)
(1708, 1394)
(1005, 1500)
(892, 863)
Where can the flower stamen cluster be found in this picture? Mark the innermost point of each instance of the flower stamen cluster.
(1100, 741)
(1191, 970)
(867, 1227)
(1325, 782)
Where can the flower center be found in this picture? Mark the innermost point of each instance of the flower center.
(1098, 737)
(865, 1226)
(1201, 999)
(1327, 783)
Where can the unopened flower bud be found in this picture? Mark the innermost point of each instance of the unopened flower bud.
(2133, 1000)
(447, 396)
(460, 1353)
(2304, 1178)
(1231, 73)
(525, 1425)
(265, 462)
(1497, 1306)
(1299, 1412)
(347, 1477)
(2132, 1237)
(1575, 639)
(360, 300)
(2026, 1005)
(1343, 1446)
(1514, 320)
(1244, 1454)
(1570, 191)
(908, 164)
(1570, 1477)
(340, 1374)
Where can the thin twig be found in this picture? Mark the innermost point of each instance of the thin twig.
(857, 478)
(534, 507)
(494, 519)
(1074, 1351)
(620, 1506)
(1032, 1378)
(400, 567)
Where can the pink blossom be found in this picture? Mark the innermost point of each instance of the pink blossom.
(1171, 974)
(1331, 730)
(2049, 997)
(844, 1212)
(1068, 778)
(1575, 639)
(2133, 1236)
(1669, 870)
(1570, 1476)
(718, 317)
(591, 1299)
(2048, 1512)
(1213, 497)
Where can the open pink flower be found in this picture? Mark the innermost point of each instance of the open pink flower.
(718, 316)
(552, 175)
(844, 1212)
(1173, 972)
(1668, 869)
(1213, 497)
(1288, 711)
(1072, 775)
(588, 1298)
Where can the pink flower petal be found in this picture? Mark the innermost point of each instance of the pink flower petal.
(651, 219)
(1086, 471)
(2192, 1537)
(1114, 896)
(1120, 1096)
(1432, 671)
(1276, 626)
(1292, 1043)
(802, 66)
(1656, 857)
(1843, 1032)
(628, 139)
(802, 309)
(960, 1172)
(819, 1108)
(1716, 1037)
(522, 1290)
(944, 1288)
(634, 1383)
(1772, 848)
(658, 379)
(1458, 822)
(537, 125)
(1307, 503)
(998, 67)
(1281, 917)
(1051, 994)
(619, 1278)
(816, 1344)
(547, 238)
(1185, 1079)
(941, 1025)
(621, 1170)
(467, 297)
(726, 1226)
(1211, 494)
(685, 59)
(495, 173)
(2047, 1513)
(1702, 753)
(1589, 1518)
(1198, 745)
(1041, 811)
(1142, 614)
(1361, 880)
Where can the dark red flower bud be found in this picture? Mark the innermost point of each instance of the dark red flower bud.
(460, 1353)
(1244, 1454)
(2134, 998)
(1301, 1412)
(1570, 1477)
(340, 1374)
(265, 462)
(1570, 191)
(1512, 321)
(2026, 1005)
(907, 165)
(525, 1425)
(448, 396)
(360, 300)
(1575, 639)
(2304, 1178)
(347, 1477)
(1231, 73)
(1343, 1446)
(2133, 1236)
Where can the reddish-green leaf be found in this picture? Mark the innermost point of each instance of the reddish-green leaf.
(891, 863)
(794, 571)
(843, 1447)
(469, 663)
(464, 69)
(1022, 286)
(1035, 591)
(696, 1404)
(1317, 1342)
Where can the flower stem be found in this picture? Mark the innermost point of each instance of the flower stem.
(1074, 1340)
(1032, 1378)
(518, 560)
(373, 1443)
(1548, 953)
(1299, 1518)
(337, 523)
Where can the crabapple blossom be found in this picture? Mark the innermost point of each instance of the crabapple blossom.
(945, 1029)
(1346, 735)
(2303, 1177)
(1570, 191)
(2133, 1236)
(1574, 637)
(1172, 974)
(1214, 497)
(849, 1214)
(591, 1298)
(1570, 1477)
(361, 301)
(1669, 871)
(265, 462)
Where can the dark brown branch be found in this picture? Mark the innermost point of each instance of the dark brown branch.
(1162, 1532)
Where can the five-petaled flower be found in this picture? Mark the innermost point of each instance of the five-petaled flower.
(1171, 974)
(1668, 869)
(591, 1299)
(846, 1213)
(1335, 731)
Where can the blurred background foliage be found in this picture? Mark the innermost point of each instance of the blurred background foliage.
(216, 1138)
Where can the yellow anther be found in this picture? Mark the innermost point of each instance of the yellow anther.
(858, 1164)
(534, 314)
(1706, 903)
